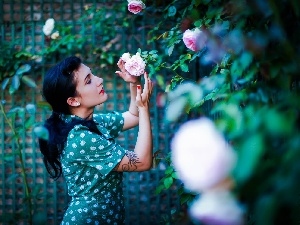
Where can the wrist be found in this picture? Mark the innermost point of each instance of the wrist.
(137, 82)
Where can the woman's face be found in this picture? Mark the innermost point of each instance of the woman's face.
(90, 91)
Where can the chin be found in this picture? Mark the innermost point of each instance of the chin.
(104, 98)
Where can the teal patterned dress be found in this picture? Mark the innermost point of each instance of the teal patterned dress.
(87, 162)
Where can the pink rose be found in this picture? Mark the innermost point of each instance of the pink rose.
(135, 6)
(126, 56)
(135, 65)
(194, 39)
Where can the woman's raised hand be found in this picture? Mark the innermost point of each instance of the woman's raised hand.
(125, 75)
(143, 97)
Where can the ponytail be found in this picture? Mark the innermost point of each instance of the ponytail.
(58, 132)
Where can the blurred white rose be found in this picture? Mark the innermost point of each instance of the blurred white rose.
(185, 94)
(217, 208)
(55, 35)
(201, 156)
(48, 27)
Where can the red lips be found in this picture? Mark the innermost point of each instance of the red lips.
(102, 91)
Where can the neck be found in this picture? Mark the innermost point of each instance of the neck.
(87, 115)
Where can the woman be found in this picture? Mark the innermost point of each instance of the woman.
(82, 146)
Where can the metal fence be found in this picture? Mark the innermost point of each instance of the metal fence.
(23, 21)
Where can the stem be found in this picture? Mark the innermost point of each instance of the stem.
(23, 174)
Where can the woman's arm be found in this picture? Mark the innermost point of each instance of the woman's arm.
(141, 158)
(131, 117)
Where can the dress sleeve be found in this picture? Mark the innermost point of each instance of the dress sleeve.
(86, 147)
(113, 122)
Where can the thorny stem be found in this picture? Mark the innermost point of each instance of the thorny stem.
(23, 174)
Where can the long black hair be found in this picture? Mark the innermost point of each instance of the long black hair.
(59, 84)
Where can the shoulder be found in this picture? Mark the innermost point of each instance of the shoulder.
(111, 117)
(79, 131)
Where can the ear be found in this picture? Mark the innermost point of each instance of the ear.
(73, 102)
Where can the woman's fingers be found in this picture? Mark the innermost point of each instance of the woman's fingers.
(147, 88)
(138, 95)
(146, 80)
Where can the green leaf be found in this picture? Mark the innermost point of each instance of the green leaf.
(168, 181)
(172, 11)
(28, 81)
(9, 157)
(23, 69)
(236, 70)
(245, 60)
(45, 105)
(279, 123)
(41, 132)
(4, 83)
(169, 170)
(30, 108)
(170, 50)
(184, 67)
(198, 23)
(29, 122)
(160, 80)
(197, 2)
(12, 178)
(186, 198)
(15, 84)
(265, 210)
(249, 155)
(159, 189)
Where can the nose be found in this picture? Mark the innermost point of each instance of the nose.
(99, 81)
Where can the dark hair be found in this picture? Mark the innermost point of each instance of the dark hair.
(59, 84)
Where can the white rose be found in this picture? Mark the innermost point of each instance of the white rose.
(55, 35)
(201, 156)
(217, 207)
(187, 93)
(48, 27)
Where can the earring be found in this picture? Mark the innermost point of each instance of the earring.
(77, 104)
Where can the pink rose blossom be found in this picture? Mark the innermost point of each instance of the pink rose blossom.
(126, 56)
(135, 65)
(194, 39)
(201, 156)
(135, 6)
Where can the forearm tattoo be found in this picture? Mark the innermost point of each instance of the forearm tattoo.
(132, 163)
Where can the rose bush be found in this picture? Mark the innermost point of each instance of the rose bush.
(249, 75)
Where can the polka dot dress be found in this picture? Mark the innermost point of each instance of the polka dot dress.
(87, 162)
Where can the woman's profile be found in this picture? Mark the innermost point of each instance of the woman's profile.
(82, 146)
